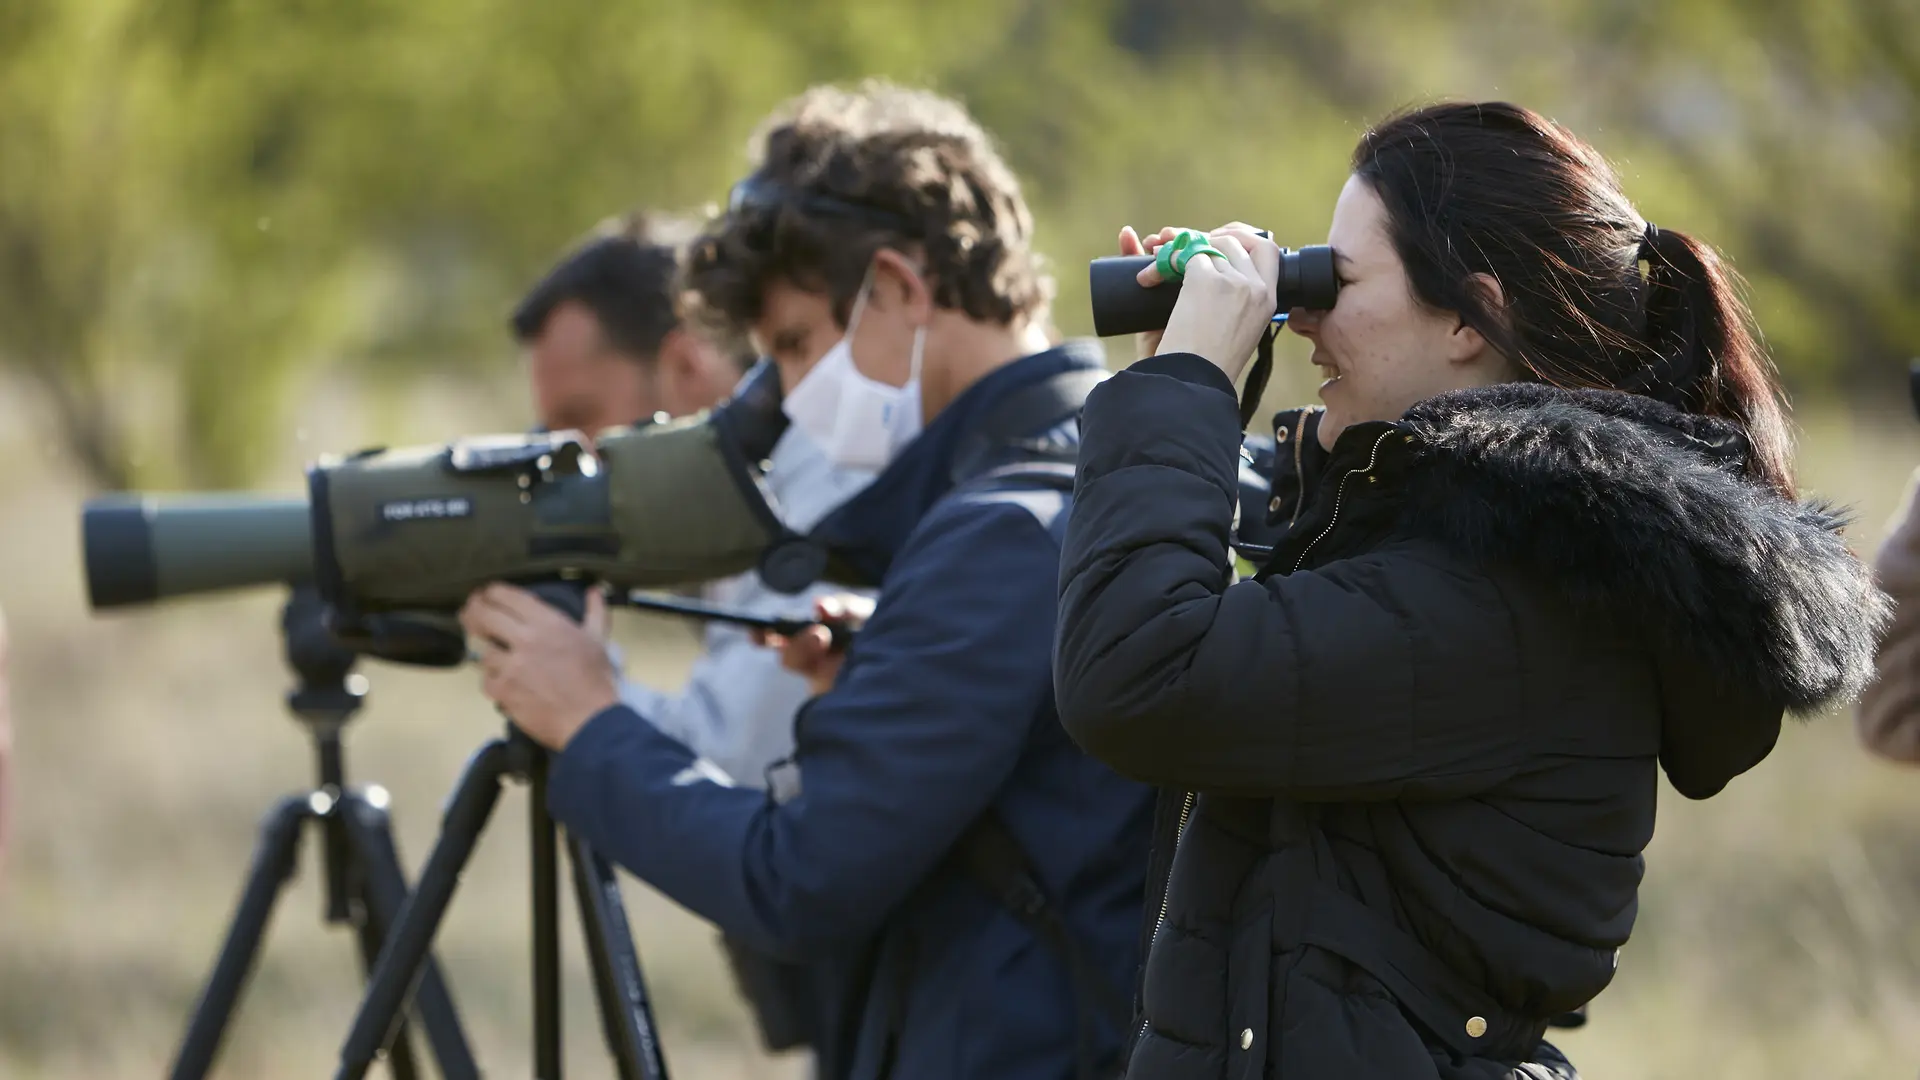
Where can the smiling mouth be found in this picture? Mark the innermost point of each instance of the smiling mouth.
(1328, 369)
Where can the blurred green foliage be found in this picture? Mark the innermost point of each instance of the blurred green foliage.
(202, 199)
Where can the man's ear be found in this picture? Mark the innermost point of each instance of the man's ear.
(897, 280)
(691, 372)
(1467, 345)
(679, 367)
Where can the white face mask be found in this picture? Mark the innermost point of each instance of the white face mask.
(858, 422)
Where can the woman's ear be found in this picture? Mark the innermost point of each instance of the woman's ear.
(1467, 345)
(898, 281)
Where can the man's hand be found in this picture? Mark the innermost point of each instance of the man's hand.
(545, 671)
(810, 653)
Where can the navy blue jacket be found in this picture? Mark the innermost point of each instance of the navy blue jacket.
(944, 708)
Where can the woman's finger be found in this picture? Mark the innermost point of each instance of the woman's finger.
(1265, 253)
(1237, 256)
(1201, 269)
(1149, 275)
(1166, 235)
(1130, 241)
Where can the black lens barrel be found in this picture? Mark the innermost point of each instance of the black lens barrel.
(117, 537)
(144, 548)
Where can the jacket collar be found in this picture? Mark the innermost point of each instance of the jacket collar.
(1616, 499)
(1748, 602)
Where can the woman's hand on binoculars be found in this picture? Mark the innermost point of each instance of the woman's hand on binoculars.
(1226, 301)
(810, 654)
(1145, 345)
(548, 673)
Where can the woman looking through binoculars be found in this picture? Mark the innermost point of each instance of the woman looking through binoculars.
(1541, 542)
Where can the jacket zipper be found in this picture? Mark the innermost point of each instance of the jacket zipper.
(1339, 498)
(1179, 833)
(1299, 470)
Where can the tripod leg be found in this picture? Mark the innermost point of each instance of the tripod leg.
(273, 860)
(400, 1058)
(386, 890)
(406, 947)
(546, 925)
(347, 903)
(624, 1011)
(606, 994)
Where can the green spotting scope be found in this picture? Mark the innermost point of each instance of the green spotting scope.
(417, 529)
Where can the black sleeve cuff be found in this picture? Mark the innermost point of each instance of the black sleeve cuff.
(1187, 367)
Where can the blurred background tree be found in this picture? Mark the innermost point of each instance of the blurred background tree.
(202, 201)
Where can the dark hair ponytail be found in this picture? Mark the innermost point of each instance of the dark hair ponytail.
(1496, 189)
(1704, 349)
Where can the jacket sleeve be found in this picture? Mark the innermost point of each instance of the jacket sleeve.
(1390, 675)
(930, 715)
(1889, 711)
(738, 704)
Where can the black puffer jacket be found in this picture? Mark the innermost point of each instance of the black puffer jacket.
(1424, 739)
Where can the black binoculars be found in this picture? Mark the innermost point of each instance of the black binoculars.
(1121, 305)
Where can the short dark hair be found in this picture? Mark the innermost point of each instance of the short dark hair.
(624, 273)
(1494, 188)
(841, 174)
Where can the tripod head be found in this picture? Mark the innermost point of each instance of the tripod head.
(327, 692)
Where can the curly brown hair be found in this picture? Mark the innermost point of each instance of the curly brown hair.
(842, 174)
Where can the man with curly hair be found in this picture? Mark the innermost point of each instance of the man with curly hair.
(963, 883)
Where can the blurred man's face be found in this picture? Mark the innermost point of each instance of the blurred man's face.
(573, 371)
(581, 382)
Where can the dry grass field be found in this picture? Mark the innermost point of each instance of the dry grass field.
(1779, 934)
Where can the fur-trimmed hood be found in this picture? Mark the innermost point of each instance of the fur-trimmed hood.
(1752, 602)
(1621, 498)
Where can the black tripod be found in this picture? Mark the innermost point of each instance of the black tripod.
(625, 1016)
(365, 887)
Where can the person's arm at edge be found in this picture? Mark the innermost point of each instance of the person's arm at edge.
(1888, 716)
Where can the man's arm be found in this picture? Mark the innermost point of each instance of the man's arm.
(1889, 713)
(928, 720)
